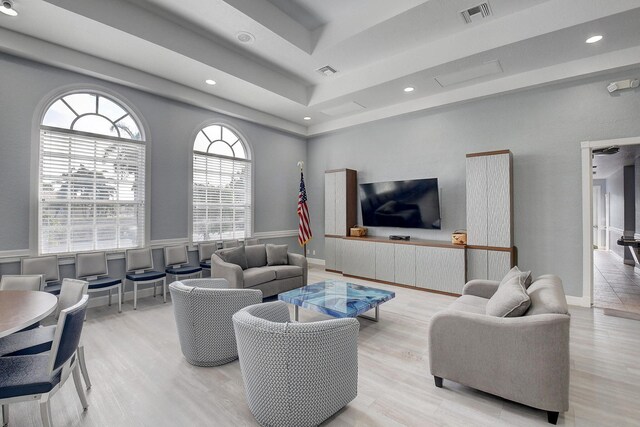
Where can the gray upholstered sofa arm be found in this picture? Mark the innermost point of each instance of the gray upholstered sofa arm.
(300, 261)
(487, 353)
(224, 270)
(480, 288)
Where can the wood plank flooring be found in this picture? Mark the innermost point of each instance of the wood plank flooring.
(141, 379)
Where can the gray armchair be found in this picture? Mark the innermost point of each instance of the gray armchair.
(523, 359)
(203, 310)
(295, 374)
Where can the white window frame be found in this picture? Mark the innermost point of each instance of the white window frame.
(40, 111)
(250, 158)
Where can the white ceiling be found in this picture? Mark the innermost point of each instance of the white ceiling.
(379, 47)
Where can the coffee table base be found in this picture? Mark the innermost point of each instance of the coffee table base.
(375, 318)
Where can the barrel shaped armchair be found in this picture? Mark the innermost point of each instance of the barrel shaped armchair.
(203, 310)
(295, 374)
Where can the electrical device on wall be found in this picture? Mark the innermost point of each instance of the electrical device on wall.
(623, 84)
(399, 237)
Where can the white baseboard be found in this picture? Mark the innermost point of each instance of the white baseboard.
(578, 301)
(315, 261)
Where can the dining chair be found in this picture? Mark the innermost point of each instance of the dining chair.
(234, 243)
(48, 266)
(15, 282)
(176, 261)
(251, 242)
(139, 266)
(93, 267)
(39, 340)
(205, 250)
(40, 376)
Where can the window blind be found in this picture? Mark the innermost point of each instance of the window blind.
(221, 198)
(91, 192)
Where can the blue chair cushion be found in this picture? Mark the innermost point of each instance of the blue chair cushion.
(26, 375)
(53, 288)
(187, 269)
(33, 341)
(206, 264)
(147, 275)
(103, 282)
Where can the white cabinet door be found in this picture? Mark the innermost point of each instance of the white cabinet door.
(359, 258)
(330, 203)
(330, 253)
(339, 255)
(498, 201)
(498, 264)
(440, 269)
(349, 248)
(477, 264)
(341, 204)
(405, 264)
(477, 200)
(385, 261)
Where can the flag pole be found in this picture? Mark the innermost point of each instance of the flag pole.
(301, 167)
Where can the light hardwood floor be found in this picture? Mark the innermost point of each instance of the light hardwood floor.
(141, 379)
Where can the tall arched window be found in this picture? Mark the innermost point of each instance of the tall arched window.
(91, 177)
(221, 186)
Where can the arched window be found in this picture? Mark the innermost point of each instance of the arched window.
(221, 186)
(91, 177)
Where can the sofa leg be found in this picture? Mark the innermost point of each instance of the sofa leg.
(552, 417)
(438, 381)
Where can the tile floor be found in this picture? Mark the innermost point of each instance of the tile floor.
(616, 285)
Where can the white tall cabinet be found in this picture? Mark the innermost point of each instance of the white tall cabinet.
(490, 251)
(340, 213)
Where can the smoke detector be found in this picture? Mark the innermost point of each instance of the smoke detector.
(476, 13)
(245, 37)
(623, 84)
(327, 70)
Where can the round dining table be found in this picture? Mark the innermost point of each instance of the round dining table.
(20, 309)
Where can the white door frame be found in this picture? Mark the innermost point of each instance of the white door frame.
(597, 190)
(587, 216)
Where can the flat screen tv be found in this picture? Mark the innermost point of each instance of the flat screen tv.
(409, 204)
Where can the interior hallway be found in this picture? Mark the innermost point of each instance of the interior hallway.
(616, 285)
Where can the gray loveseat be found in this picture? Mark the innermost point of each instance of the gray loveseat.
(271, 280)
(524, 359)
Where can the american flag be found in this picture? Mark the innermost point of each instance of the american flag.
(304, 228)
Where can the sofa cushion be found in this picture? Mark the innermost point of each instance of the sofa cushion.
(516, 271)
(258, 275)
(510, 300)
(277, 254)
(286, 271)
(235, 256)
(470, 304)
(547, 296)
(256, 255)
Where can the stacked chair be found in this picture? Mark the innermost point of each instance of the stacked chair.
(205, 250)
(176, 261)
(139, 265)
(31, 282)
(47, 266)
(93, 267)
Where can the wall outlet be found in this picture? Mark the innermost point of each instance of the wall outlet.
(313, 252)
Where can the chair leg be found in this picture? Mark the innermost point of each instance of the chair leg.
(45, 411)
(5, 415)
(109, 297)
(164, 289)
(78, 382)
(83, 366)
(552, 417)
(438, 381)
(119, 298)
(135, 295)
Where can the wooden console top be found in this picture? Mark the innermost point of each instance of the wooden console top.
(415, 242)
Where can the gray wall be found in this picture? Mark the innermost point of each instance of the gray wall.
(543, 128)
(171, 127)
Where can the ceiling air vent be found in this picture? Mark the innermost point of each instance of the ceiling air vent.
(327, 70)
(476, 13)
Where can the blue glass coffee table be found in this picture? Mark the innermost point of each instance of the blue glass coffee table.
(338, 299)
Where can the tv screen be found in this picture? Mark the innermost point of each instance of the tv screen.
(409, 204)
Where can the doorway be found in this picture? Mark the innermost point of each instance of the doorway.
(614, 268)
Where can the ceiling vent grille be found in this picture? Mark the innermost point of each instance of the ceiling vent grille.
(476, 13)
(327, 70)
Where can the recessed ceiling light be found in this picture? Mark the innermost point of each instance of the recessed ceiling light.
(307, 118)
(594, 39)
(7, 8)
(210, 82)
(245, 37)
(409, 89)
